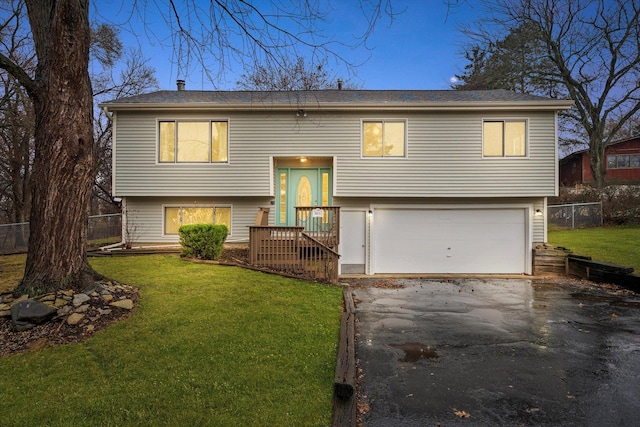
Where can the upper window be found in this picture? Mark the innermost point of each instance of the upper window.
(621, 161)
(505, 138)
(174, 217)
(383, 138)
(193, 142)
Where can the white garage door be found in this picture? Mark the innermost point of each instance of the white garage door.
(449, 240)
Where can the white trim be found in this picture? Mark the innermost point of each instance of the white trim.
(334, 178)
(114, 133)
(545, 230)
(195, 205)
(272, 172)
(390, 120)
(556, 163)
(528, 211)
(505, 119)
(191, 119)
(366, 237)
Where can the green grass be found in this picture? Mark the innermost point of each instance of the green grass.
(208, 345)
(11, 271)
(618, 245)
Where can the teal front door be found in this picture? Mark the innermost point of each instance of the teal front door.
(301, 187)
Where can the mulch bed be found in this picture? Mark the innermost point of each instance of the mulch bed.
(57, 331)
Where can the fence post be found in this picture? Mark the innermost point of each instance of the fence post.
(601, 213)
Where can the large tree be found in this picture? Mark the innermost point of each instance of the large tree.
(517, 62)
(209, 33)
(114, 73)
(64, 163)
(593, 47)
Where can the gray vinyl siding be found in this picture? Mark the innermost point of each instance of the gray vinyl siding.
(444, 156)
(444, 159)
(145, 216)
(539, 234)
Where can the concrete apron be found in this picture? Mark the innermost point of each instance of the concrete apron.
(497, 352)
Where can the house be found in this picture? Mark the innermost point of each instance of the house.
(426, 181)
(622, 164)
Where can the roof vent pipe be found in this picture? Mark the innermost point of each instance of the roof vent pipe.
(180, 84)
(339, 84)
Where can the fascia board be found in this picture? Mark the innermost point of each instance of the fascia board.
(435, 106)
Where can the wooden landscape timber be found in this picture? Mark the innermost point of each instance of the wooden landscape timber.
(550, 259)
(603, 272)
(344, 402)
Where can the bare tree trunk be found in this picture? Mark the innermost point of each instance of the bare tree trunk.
(597, 162)
(64, 164)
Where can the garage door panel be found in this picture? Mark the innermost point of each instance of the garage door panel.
(450, 240)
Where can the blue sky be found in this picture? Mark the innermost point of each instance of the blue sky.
(420, 49)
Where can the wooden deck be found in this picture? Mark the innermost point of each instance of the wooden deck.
(320, 222)
(308, 249)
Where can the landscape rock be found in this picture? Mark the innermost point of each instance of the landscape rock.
(79, 299)
(64, 310)
(82, 309)
(75, 318)
(127, 304)
(60, 302)
(27, 313)
(20, 299)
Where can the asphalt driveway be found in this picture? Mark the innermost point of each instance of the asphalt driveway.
(504, 352)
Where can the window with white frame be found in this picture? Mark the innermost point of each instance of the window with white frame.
(199, 141)
(384, 138)
(175, 216)
(504, 138)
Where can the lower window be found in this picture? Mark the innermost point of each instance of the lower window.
(174, 217)
(622, 161)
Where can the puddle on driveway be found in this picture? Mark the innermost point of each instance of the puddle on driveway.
(396, 323)
(414, 351)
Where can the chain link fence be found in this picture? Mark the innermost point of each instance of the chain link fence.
(575, 215)
(103, 230)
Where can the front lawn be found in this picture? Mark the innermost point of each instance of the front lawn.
(618, 245)
(208, 345)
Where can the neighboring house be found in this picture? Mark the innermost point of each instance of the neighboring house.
(427, 181)
(622, 164)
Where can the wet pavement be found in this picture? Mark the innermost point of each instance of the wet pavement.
(504, 352)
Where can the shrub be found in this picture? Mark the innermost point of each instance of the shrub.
(203, 241)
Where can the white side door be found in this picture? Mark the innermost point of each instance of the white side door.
(353, 241)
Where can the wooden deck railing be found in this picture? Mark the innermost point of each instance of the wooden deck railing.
(294, 251)
(320, 222)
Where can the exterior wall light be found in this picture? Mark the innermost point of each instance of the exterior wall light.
(538, 212)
